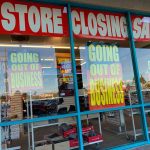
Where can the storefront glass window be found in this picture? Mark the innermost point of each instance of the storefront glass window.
(46, 135)
(111, 131)
(141, 33)
(104, 66)
(36, 79)
(105, 74)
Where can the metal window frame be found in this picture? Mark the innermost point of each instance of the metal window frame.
(137, 75)
(78, 114)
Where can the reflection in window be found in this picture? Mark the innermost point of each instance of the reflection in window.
(99, 61)
(35, 82)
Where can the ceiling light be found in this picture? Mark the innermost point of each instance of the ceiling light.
(78, 59)
(37, 46)
(82, 47)
(9, 45)
(47, 46)
(83, 63)
(47, 59)
(46, 67)
(64, 47)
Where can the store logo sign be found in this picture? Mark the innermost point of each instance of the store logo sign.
(35, 19)
(105, 25)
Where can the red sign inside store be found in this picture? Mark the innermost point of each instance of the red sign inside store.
(24, 18)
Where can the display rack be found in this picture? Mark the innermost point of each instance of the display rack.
(116, 121)
(133, 134)
(87, 144)
(31, 127)
(59, 122)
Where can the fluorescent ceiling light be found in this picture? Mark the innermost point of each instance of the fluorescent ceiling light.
(47, 46)
(46, 67)
(9, 45)
(47, 59)
(78, 59)
(63, 47)
(81, 47)
(37, 46)
(83, 63)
